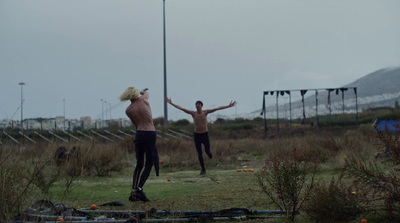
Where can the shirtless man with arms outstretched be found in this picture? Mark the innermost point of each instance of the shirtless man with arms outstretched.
(200, 127)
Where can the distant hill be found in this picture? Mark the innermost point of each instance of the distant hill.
(377, 89)
(382, 82)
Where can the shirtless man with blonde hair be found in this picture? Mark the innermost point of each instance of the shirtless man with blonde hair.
(200, 127)
(139, 112)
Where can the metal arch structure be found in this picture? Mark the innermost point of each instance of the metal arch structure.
(302, 94)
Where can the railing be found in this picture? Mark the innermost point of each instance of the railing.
(65, 136)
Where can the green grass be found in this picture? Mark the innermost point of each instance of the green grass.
(186, 190)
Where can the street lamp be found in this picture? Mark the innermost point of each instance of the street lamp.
(165, 71)
(105, 102)
(236, 109)
(109, 107)
(102, 109)
(64, 111)
(22, 112)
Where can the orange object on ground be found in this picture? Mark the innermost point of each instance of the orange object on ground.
(93, 207)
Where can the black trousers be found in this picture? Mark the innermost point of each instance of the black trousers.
(145, 145)
(202, 138)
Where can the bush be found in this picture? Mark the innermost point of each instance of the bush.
(245, 126)
(158, 121)
(106, 162)
(46, 176)
(14, 185)
(287, 181)
(99, 160)
(379, 183)
(379, 178)
(176, 154)
(220, 121)
(335, 202)
(17, 180)
(181, 122)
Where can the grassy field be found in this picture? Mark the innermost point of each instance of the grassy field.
(186, 190)
(103, 172)
(221, 188)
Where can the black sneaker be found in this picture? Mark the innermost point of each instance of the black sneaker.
(141, 196)
(203, 172)
(133, 197)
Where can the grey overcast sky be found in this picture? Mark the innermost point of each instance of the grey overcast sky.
(217, 51)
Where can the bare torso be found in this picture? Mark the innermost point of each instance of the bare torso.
(139, 112)
(200, 121)
(200, 115)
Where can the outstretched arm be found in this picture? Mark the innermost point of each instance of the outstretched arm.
(231, 104)
(178, 107)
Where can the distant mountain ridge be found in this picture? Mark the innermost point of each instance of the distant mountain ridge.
(384, 81)
(377, 89)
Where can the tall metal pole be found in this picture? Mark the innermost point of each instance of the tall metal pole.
(342, 89)
(22, 107)
(235, 109)
(105, 102)
(109, 107)
(290, 111)
(316, 109)
(355, 91)
(277, 114)
(265, 117)
(165, 71)
(102, 111)
(64, 111)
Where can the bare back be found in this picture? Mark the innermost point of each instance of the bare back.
(139, 112)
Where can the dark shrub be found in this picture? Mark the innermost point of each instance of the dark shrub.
(333, 202)
(287, 181)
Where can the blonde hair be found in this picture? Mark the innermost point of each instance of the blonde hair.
(130, 93)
